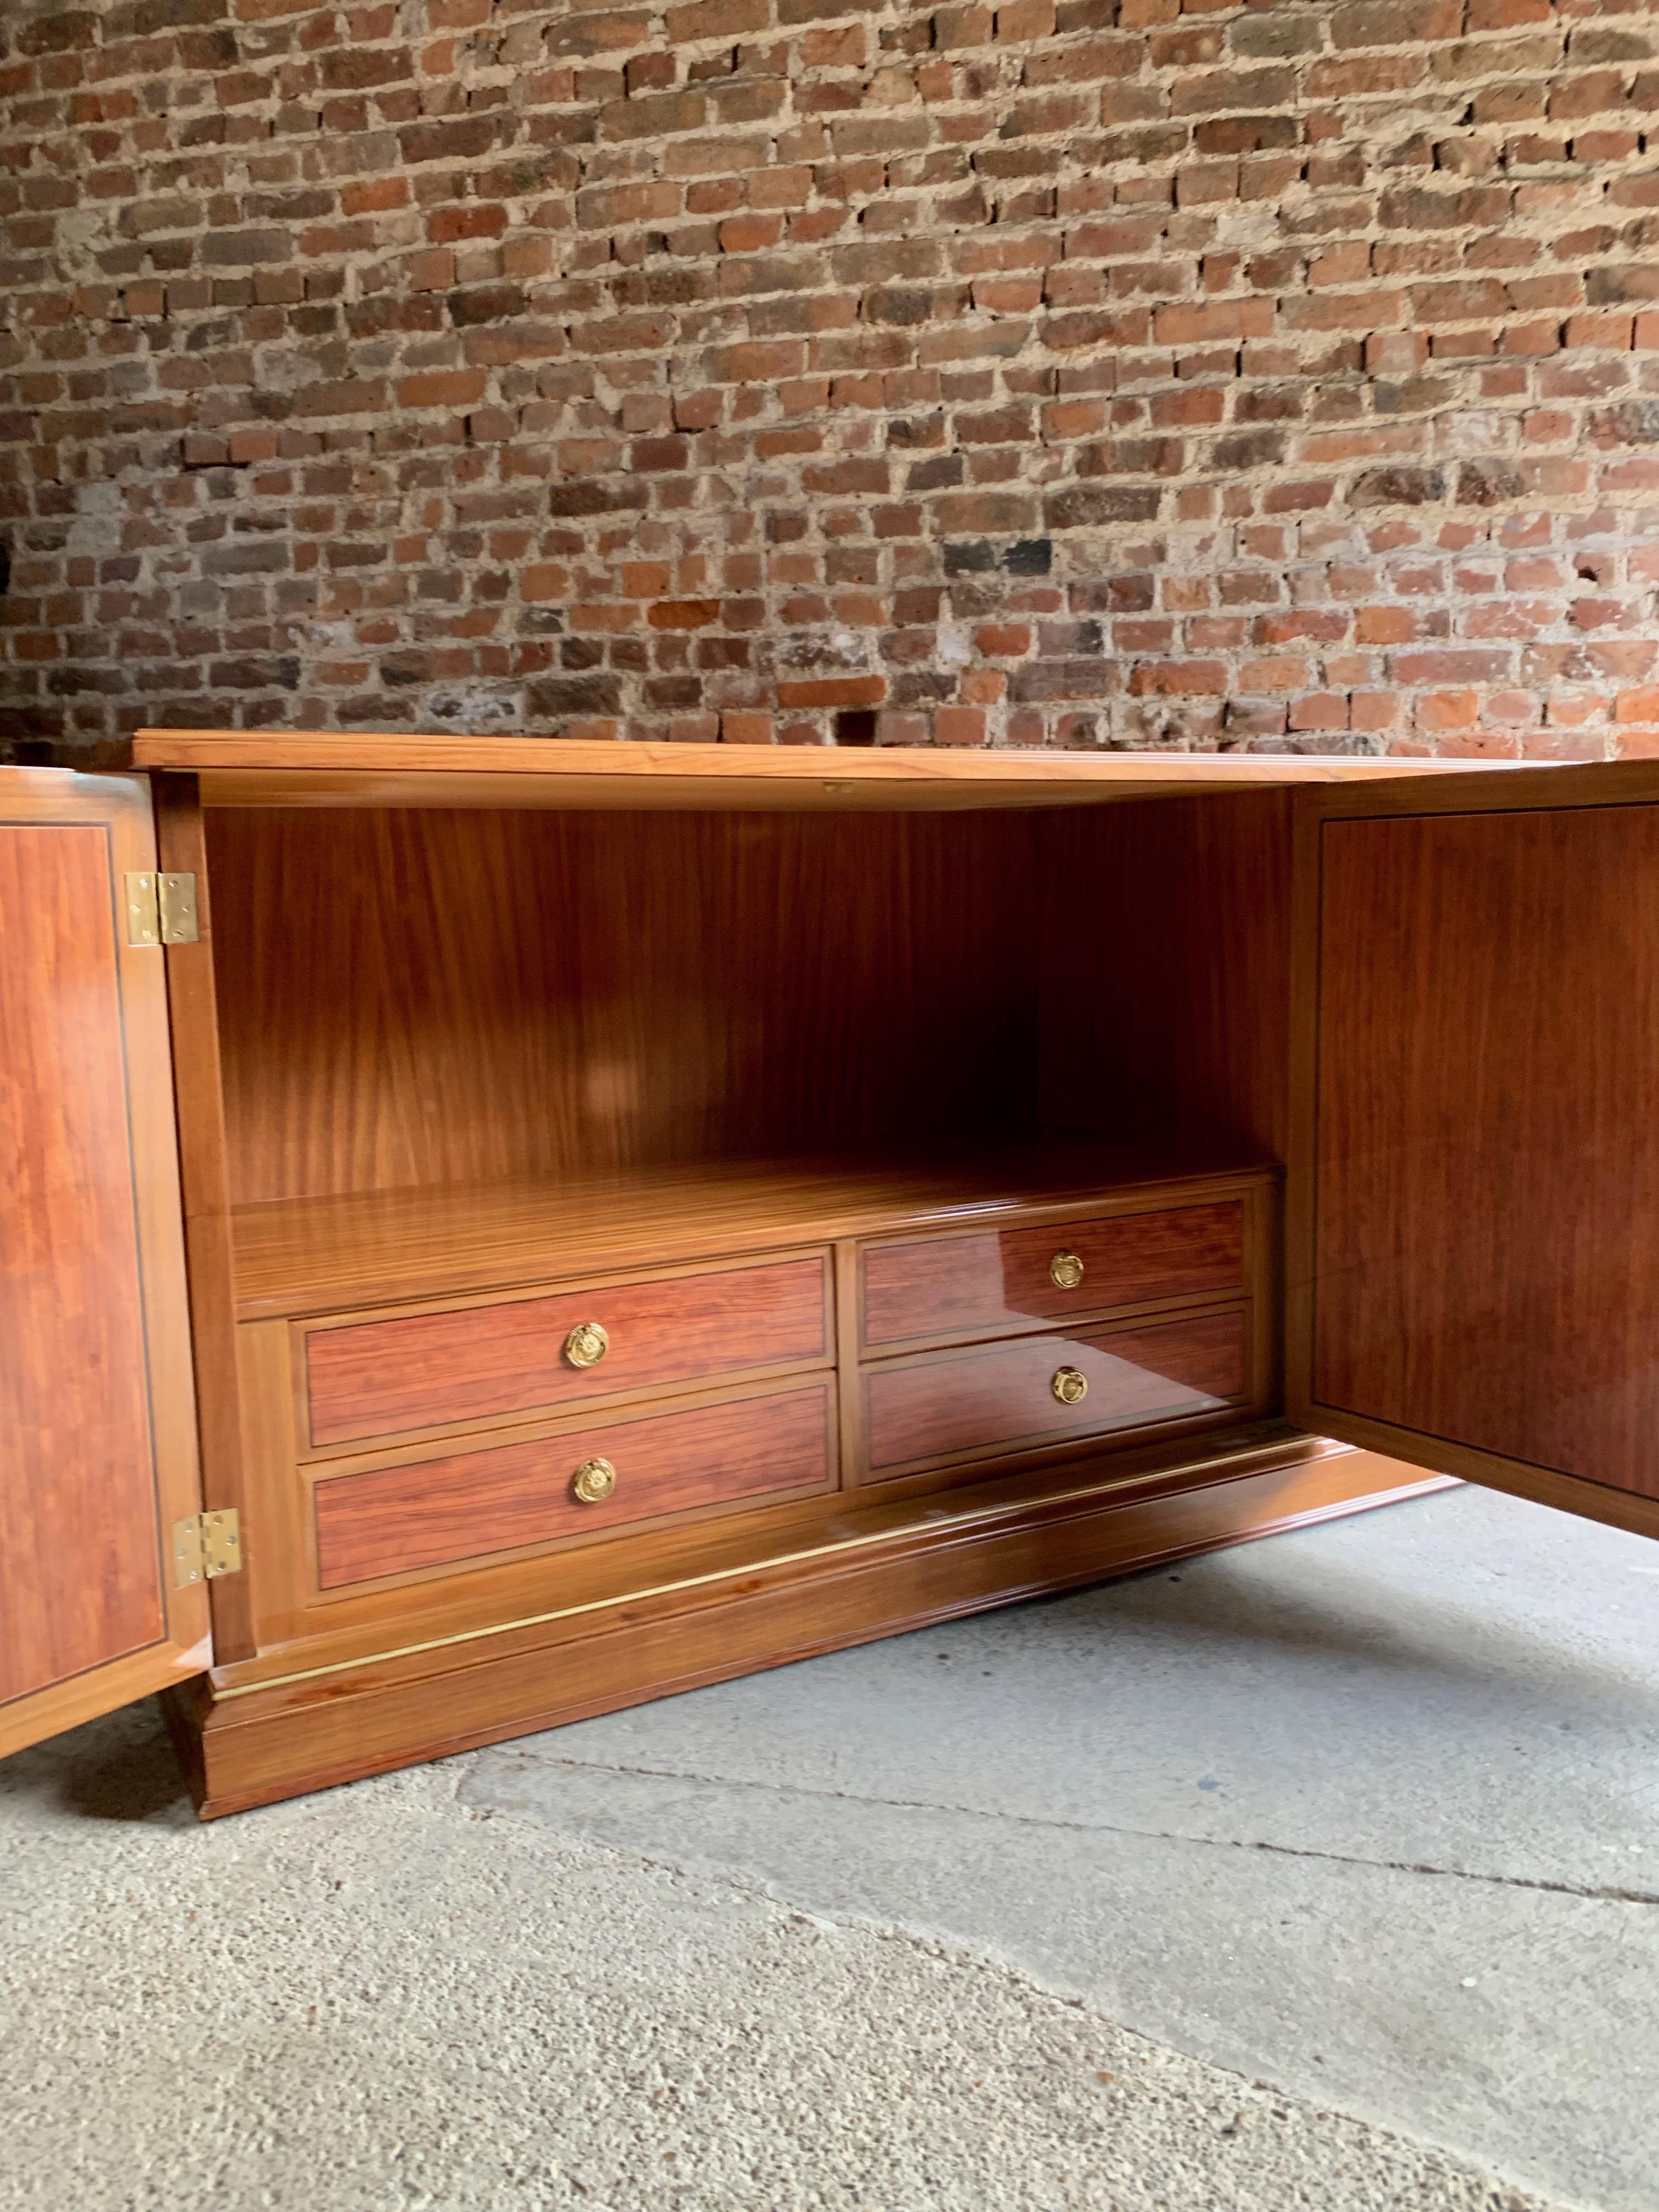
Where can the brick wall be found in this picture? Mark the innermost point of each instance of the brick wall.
(1080, 371)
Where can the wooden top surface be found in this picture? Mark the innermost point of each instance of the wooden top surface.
(306, 769)
(367, 1248)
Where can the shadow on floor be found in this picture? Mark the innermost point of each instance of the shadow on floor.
(121, 1768)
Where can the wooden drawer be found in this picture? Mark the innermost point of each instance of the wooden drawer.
(988, 1281)
(1000, 1397)
(435, 1370)
(465, 1506)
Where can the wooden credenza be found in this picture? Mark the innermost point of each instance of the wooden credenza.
(496, 1229)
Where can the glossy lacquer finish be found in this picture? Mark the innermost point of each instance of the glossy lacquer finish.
(286, 769)
(1485, 1184)
(954, 1405)
(96, 1429)
(629, 990)
(936, 1286)
(432, 1368)
(468, 1504)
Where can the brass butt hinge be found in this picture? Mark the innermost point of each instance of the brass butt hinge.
(160, 908)
(206, 1545)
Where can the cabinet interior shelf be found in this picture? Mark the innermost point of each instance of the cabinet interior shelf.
(318, 1254)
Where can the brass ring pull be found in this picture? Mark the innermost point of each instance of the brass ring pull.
(1070, 1386)
(1066, 1270)
(586, 1344)
(593, 1480)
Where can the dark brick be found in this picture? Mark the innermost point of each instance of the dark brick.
(1398, 487)
(1488, 483)
(1029, 556)
(968, 557)
(551, 697)
(1086, 506)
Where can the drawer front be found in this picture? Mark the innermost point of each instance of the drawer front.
(993, 1280)
(426, 1371)
(466, 1506)
(1003, 1396)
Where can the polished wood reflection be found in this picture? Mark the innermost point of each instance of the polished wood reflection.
(330, 1253)
(427, 1369)
(943, 1286)
(950, 1404)
(1484, 1173)
(466, 1506)
(97, 1420)
(312, 768)
(418, 1000)
(77, 1491)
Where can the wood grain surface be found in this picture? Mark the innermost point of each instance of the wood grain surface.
(944, 1405)
(469, 1504)
(1163, 973)
(1484, 1182)
(322, 1255)
(935, 1286)
(890, 1568)
(205, 1186)
(418, 998)
(271, 768)
(97, 1420)
(427, 1369)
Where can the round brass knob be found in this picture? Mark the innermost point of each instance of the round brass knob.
(595, 1478)
(1066, 1271)
(1070, 1386)
(586, 1344)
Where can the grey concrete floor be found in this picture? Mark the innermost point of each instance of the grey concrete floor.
(1319, 1874)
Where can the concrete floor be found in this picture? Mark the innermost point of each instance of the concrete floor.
(1319, 1874)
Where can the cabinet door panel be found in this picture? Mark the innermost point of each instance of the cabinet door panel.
(97, 1429)
(1473, 1211)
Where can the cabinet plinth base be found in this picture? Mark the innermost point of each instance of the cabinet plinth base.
(253, 1745)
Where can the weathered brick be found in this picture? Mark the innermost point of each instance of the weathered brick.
(691, 387)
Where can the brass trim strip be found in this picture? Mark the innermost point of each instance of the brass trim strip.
(1333, 1451)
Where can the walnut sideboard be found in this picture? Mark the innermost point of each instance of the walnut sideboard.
(497, 1229)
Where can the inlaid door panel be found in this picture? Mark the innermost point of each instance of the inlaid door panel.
(1473, 1212)
(97, 1421)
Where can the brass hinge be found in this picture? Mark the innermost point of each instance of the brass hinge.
(206, 1545)
(160, 909)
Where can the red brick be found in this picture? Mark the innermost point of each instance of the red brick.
(1180, 679)
(448, 387)
(703, 346)
(742, 727)
(432, 271)
(1190, 325)
(1440, 711)
(832, 691)
(685, 614)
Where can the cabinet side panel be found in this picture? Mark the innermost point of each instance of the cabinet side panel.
(1485, 1183)
(1165, 961)
(193, 1012)
(78, 1503)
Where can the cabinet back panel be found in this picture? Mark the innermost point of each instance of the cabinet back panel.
(411, 997)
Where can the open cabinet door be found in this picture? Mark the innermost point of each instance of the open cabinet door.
(1473, 1209)
(98, 1447)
